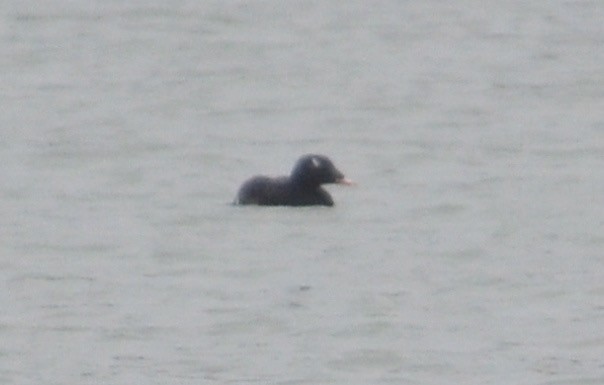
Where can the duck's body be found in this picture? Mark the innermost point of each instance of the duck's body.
(301, 188)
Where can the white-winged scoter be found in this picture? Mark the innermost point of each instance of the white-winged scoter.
(301, 188)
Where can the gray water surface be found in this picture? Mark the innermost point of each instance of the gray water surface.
(471, 251)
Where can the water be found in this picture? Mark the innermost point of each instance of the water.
(470, 252)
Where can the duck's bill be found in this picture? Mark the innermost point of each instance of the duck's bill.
(345, 181)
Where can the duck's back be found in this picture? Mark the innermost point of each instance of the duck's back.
(264, 191)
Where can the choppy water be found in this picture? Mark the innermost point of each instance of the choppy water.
(471, 251)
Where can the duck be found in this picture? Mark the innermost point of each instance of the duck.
(303, 187)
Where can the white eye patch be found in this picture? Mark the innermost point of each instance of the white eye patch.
(315, 162)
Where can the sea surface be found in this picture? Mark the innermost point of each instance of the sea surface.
(471, 250)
